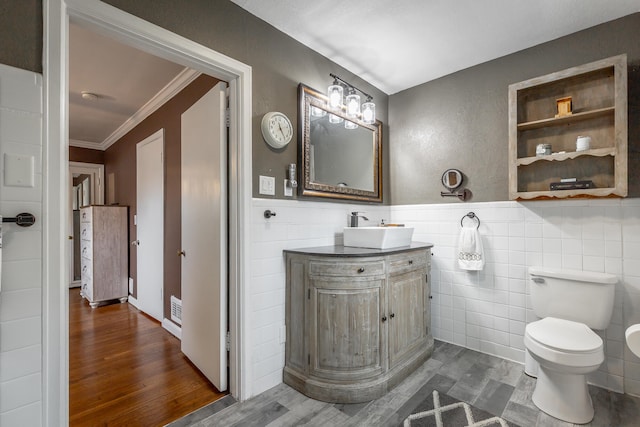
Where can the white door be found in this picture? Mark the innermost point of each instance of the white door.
(150, 224)
(204, 236)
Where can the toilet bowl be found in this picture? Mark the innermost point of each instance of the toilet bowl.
(565, 351)
(632, 336)
(562, 343)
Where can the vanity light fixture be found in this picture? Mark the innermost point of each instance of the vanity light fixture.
(335, 93)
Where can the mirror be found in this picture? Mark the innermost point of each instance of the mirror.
(335, 161)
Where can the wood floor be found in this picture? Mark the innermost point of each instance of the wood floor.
(125, 369)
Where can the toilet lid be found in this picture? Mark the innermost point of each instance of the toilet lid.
(564, 335)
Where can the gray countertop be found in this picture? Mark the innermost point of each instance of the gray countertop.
(347, 251)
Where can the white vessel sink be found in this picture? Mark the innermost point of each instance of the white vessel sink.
(377, 237)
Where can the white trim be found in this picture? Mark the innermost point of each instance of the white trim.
(172, 88)
(155, 40)
(174, 329)
(95, 170)
(84, 144)
(134, 302)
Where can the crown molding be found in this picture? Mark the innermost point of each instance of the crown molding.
(172, 88)
(84, 144)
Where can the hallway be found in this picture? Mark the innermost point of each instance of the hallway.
(125, 369)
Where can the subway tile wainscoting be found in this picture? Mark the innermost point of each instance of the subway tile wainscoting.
(20, 300)
(485, 311)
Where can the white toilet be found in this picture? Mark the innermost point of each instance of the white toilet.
(570, 303)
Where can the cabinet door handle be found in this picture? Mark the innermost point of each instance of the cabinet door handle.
(384, 318)
(410, 261)
(392, 315)
(361, 270)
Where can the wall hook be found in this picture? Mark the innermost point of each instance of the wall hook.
(268, 214)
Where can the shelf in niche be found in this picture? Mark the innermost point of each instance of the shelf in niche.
(563, 194)
(573, 118)
(596, 152)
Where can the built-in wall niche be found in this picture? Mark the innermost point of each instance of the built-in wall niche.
(568, 133)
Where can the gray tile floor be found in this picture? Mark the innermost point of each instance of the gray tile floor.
(494, 385)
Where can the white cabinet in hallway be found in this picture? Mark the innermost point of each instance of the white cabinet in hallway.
(104, 253)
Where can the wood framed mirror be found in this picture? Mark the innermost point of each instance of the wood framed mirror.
(337, 162)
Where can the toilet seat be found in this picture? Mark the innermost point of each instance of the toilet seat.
(564, 342)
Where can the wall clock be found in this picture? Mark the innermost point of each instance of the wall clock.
(277, 130)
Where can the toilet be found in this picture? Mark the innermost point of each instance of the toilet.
(562, 343)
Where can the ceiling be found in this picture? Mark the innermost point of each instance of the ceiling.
(395, 45)
(123, 78)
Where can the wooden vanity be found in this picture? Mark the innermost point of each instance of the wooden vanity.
(358, 320)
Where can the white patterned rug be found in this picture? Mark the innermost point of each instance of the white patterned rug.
(456, 414)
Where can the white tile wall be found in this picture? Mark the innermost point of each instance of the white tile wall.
(296, 225)
(486, 311)
(20, 298)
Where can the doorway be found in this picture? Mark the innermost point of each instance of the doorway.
(161, 42)
(86, 186)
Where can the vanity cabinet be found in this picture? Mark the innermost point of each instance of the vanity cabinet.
(358, 320)
(104, 254)
(598, 92)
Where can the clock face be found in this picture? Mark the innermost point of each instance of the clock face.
(276, 129)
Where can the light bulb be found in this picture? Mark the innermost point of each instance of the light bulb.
(369, 112)
(353, 105)
(334, 93)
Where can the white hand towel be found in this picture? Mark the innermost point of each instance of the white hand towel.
(470, 252)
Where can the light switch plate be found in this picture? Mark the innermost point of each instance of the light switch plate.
(267, 185)
(18, 170)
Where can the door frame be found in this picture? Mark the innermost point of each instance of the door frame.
(141, 34)
(137, 302)
(97, 197)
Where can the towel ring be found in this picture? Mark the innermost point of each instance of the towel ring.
(472, 216)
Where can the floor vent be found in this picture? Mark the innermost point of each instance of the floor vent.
(176, 310)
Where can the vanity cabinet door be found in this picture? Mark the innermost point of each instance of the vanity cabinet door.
(407, 314)
(346, 328)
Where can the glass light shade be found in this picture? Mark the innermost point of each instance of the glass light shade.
(317, 112)
(369, 112)
(350, 125)
(353, 105)
(335, 119)
(335, 93)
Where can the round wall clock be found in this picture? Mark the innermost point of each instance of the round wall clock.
(277, 130)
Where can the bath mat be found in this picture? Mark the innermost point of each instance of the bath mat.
(445, 411)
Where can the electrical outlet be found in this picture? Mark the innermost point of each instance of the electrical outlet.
(288, 190)
(267, 185)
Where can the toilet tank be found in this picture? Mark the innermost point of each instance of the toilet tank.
(581, 296)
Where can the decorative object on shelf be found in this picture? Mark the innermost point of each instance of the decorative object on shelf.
(543, 150)
(583, 143)
(452, 180)
(589, 144)
(365, 112)
(470, 250)
(571, 185)
(564, 106)
(277, 129)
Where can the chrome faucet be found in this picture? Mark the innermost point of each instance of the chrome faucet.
(354, 218)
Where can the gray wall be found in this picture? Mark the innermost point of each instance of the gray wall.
(21, 34)
(279, 63)
(460, 121)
